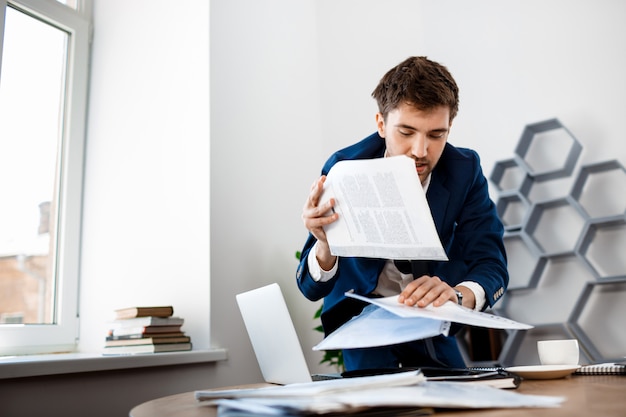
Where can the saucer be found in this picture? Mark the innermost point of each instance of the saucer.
(543, 371)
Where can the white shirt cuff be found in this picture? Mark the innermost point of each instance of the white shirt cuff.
(479, 293)
(316, 271)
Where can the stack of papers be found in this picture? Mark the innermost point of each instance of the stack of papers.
(377, 326)
(387, 322)
(400, 391)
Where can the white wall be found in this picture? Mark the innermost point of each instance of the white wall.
(265, 127)
(146, 210)
(516, 62)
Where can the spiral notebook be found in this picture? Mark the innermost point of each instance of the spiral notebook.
(609, 368)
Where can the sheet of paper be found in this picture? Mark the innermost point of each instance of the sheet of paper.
(447, 312)
(377, 326)
(428, 394)
(317, 388)
(383, 212)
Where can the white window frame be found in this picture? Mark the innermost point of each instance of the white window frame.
(61, 336)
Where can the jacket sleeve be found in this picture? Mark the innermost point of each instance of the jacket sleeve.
(477, 250)
(311, 289)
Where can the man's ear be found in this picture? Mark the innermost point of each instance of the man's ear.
(380, 124)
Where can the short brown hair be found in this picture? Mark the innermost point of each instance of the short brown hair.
(420, 82)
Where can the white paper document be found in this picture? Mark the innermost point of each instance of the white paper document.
(409, 389)
(447, 312)
(383, 212)
(456, 395)
(318, 388)
(377, 326)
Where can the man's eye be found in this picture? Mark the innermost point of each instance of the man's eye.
(437, 135)
(405, 132)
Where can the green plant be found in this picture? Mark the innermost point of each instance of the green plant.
(331, 357)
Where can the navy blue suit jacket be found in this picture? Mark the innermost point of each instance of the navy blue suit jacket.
(465, 218)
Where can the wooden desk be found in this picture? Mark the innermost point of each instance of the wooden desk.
(586, 395)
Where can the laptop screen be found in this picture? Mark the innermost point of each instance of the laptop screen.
(273, 336)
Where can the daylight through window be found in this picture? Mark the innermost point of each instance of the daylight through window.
(31, 89)
(43, 86)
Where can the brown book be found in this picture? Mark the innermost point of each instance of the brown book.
(142, 335)
(138, 349)
(147, 321)
(157, 340)
(132, 312)
(143, 331)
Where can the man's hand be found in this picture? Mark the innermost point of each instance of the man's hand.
(315, 217)
(425, 290)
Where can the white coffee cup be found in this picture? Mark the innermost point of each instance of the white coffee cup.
(558, 352)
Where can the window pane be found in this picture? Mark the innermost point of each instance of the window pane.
(31, 113)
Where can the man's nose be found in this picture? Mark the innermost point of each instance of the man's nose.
(420, 146)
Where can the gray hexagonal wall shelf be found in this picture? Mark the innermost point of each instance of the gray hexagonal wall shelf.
(547, 150)
(600, 189)
(555, 225)
(598, 320)
(567, 269)
(523, 257)
(512, 209)
(602, 247)
(507, 175)
(564, 275)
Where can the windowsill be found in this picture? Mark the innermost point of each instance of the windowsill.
(69, 363)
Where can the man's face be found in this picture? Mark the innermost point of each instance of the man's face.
(420, 135)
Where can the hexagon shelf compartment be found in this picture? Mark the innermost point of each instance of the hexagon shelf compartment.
(523, 259)
(512, 209)
(508, 175)
(555, 225)
(598, 320)
(541, 150)
(602, 247)
(566, 259)
(563, 276)
(600, 189)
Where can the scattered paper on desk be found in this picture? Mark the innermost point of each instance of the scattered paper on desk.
(383, 211)
(456, 395)
(447, 312)
(318, 388)
(377, 326)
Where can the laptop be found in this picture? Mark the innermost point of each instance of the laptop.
(273, 337)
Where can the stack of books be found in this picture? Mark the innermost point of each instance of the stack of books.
(138, 330)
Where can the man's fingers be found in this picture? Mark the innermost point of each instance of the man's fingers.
(315, 221)
(425, 290)
(313, 210)
(316, 193)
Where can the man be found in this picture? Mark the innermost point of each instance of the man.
(417, 102)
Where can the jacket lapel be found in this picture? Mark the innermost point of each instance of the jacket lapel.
(438, 196)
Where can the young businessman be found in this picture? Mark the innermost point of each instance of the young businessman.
(417, 102)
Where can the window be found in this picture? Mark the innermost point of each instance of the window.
(44, 51)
